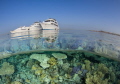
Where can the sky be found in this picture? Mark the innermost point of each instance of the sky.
(80, 14)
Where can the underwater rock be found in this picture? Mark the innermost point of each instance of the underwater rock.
(42, 58)
(6, 69)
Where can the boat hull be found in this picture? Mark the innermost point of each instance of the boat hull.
(49, 27)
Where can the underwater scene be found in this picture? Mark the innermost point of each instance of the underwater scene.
(59, 67)
(59, 57)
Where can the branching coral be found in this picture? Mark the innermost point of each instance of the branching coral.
(102, 68)
(52, 61)
(38, 70)
(87, 65)
(96, 78)
(65, 66)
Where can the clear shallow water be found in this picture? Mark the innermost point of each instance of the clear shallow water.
(102, 43)
(68, 57)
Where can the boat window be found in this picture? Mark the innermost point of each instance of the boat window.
(52, 21)
(47, 21)
(23, 29)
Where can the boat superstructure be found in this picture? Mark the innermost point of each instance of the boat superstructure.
(50, 24)
(20, 29)
(35, 26)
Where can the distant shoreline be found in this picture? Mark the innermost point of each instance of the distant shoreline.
(105, 32)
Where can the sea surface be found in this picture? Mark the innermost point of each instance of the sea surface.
(65, 56)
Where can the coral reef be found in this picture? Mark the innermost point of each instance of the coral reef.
(76, 78)
(118, 82)
(76, 69)
(96, 78)
(87, 65)
(59, 55)
(16, 82)
(56, 68)
(6, 69)
(42, 58)
(38, 70)
(65, 66)
(112, 76)
(52, 61)
(102, 68)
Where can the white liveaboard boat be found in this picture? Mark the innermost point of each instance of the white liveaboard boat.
(36, 26)
(49, 24)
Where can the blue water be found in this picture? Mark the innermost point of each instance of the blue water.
(59, 57)
(102, 43)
